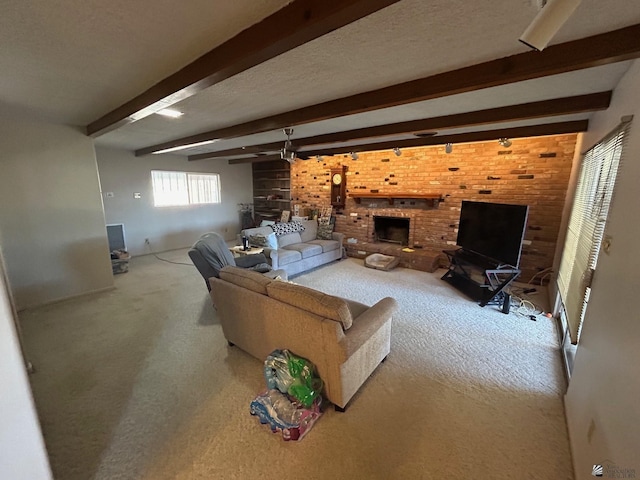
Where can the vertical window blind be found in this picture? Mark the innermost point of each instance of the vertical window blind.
(203, 188)
(181, 188)
(586, 227)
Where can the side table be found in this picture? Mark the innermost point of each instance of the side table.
(238, 250)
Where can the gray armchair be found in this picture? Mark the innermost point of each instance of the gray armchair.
(211, 253)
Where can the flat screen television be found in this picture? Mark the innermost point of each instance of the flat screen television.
(495, 230)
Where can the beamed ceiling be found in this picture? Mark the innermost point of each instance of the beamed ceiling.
(347, 75)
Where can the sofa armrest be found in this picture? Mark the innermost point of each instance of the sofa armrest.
(366, 324)
(248, 261)
(272, 256)
(338, 236)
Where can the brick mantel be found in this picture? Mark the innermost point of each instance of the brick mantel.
(391, 197)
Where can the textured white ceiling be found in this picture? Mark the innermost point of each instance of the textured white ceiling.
(73, 61)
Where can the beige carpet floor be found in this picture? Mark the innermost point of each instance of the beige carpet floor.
(139, 383)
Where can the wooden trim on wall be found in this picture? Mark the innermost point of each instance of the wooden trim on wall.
(523, 111)
(557, 128)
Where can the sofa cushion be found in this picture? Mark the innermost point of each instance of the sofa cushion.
(248, 279)
(306, 249)
(259, 240)
(248, 232)
(356, 308)
(286, 256)
(304, 298)
(310, 230)
(327, 245)
(288, 239)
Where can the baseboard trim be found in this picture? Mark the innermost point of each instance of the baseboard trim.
(566, 424)
(67, 298)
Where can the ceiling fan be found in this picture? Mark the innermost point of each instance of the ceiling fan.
(288, 152)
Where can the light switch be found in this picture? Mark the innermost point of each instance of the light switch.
(137, 195)
(108, 194)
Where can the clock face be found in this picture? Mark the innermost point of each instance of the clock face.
(337, 179)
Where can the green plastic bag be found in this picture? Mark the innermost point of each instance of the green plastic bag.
(293, 375)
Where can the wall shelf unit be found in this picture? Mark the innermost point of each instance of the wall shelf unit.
(271, 189)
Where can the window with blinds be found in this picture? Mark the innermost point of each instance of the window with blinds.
(172, 189)
(587, 222)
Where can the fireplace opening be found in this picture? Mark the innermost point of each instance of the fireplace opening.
(391, 229)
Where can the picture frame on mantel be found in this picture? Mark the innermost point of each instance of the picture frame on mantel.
(285, 216)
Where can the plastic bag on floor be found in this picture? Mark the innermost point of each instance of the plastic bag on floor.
(293, 375)
(284, 414)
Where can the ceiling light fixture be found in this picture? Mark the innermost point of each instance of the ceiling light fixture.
(169, 112)
(505, 142)
(354, 156)
(448, 148)
(397, 151)
(288, 153)
(553, 14)
(182, 147)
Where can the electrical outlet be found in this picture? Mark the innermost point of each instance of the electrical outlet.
(146, 241)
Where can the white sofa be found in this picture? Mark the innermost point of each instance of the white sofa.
(300, 251)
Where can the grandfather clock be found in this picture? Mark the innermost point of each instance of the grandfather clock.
(338, 186)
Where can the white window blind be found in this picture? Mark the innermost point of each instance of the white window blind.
(586, 226)
(182, 188)
(203, 188)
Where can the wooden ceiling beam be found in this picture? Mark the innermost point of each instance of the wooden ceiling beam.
(598, 50)
(523, 111)
(263, 158)
(558, 128)
(295, 24)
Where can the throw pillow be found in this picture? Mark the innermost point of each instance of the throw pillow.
(283, 228)
(268, 241)
(324, 232)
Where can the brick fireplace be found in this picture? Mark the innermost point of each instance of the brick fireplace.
(532, 171)
(394, 230)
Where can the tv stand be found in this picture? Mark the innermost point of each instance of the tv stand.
(481, 278)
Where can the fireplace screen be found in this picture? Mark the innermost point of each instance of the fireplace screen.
(391, 229)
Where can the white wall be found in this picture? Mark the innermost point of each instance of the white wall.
(168, 228)
(603, 399)
(22, 451)
(51, 217)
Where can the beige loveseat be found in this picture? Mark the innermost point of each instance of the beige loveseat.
(345, 340)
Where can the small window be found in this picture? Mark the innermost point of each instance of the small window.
(172, 189)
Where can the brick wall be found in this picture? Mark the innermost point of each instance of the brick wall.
(532, 171)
